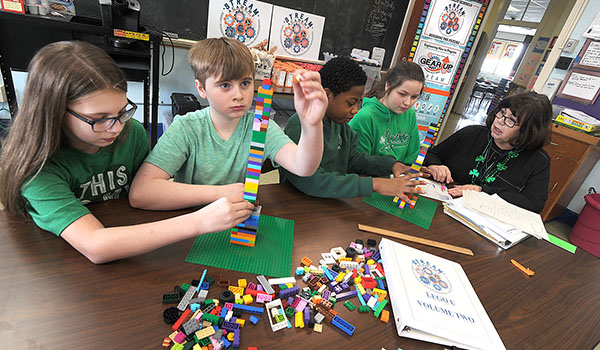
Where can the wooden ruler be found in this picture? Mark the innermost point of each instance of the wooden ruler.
(419, 240)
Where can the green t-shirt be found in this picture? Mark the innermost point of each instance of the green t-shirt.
(383, 132)
(193, 152)
(55, 198)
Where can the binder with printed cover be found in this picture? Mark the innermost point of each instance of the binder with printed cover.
(433, 300)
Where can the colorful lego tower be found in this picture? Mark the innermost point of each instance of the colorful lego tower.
(245, 233)
(418, 163)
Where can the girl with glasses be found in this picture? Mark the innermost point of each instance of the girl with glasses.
(504, 156)
(74, 142)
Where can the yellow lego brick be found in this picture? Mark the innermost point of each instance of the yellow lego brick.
(205, 332)
(236, 290)
(247, 299)
(299, 319)
(230, 336)
(360, 288)
(340, 277)
(242, 283)
(196, 347)
(241, 321)
(357, 280)
(318, 328)
(344, 259)
(370, 262)
(251, 187)
(172, 335)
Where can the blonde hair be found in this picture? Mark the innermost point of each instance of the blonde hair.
(224, 58)
(59, 73)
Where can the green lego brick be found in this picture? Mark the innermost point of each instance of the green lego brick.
(290, 311)
(205, 341)
(349, 305)
(185, 286)
(380, 307)
(209, 279)
(279, 318)
(214, 319)
(364, 308)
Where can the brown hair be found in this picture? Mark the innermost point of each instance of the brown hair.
(534, 112)
(59, 73)
(224, 58)
(402, 71)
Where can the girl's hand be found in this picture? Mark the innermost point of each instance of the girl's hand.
(440, 173)
(310, 99)
(224, 214)
(457, 191)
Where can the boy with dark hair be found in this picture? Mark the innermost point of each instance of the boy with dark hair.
(338, 174)
(207, 150)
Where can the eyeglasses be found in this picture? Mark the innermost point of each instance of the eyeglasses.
(509, 122)
(104, 124)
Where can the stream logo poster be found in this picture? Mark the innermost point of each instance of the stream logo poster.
(245, 20)
(296, 33)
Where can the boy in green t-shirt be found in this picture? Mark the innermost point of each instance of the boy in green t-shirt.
(342, 163)
(206, 151)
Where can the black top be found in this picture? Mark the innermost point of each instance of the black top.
(523, 183)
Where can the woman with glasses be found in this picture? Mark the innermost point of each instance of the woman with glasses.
(74, 142)
(504, 156)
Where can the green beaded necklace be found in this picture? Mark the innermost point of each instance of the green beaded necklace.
(491, 177)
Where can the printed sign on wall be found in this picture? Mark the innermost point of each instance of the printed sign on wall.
(247, 21)
(451, 20)
(296, 33)
(439, 62)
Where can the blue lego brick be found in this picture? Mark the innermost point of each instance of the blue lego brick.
(230, 326)
(226, 343)
(343, 325)
(250, 309)
(380, 284)
(376, 256)
(253, 319)
(204, 285)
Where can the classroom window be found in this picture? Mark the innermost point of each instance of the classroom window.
(526, 10)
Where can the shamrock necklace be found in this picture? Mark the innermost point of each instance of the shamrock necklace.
(490, 177)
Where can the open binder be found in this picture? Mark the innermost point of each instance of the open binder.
(433, 300)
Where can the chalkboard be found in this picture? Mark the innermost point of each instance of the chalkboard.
(349, 24)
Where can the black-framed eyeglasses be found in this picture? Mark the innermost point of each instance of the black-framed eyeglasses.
(509, 122)
(104, 124)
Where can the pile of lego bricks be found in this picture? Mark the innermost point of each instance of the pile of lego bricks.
(200, 323)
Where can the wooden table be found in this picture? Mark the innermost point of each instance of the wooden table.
(54, 298)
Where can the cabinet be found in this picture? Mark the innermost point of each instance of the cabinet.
(573, 155)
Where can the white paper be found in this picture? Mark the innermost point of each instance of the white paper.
(581, 116)
(434, 190)
(502, 234)
(591, 57)
(296, 33)
(511, 214)
(593, 31)
(582, 86)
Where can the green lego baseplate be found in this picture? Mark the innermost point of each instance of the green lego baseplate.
(271, 256)
(421, 215)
